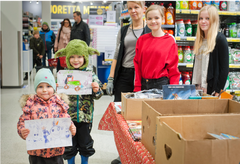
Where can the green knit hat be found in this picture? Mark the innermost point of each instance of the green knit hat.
(77, 47)
(45, 23)
(44, 75)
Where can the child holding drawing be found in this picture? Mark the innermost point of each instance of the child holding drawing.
(43, 105)
(81, 107)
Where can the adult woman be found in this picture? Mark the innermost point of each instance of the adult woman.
(156, 60)
(211, 63)
(63, 36)
(121, 77)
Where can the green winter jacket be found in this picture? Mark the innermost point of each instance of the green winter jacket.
(86, 103)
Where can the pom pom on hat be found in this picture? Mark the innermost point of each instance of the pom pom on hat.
(44, 75)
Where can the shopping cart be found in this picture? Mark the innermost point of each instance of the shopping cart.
(63, 61)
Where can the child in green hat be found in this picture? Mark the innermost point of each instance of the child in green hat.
(81, 107)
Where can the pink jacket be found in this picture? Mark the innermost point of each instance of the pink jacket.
(36, 108)
(64, 38)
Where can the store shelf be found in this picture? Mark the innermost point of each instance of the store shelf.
(181, 11)
(233, 91)
(234, 65)
(188, 65)
(185, 38)
(167, 26)
(124, 17)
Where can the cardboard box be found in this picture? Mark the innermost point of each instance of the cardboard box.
(132, 108)
(182, 139)
(152, 109)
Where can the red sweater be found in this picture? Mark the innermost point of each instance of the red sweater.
(156, 57)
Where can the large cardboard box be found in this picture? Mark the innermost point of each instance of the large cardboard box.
(152, 109)
(132, 108)
(183, 139)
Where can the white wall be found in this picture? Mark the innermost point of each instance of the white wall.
(11, 21)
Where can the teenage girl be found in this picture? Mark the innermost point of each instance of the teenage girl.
(156, 59)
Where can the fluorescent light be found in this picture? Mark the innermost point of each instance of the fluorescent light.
(37, 2)
(91, 3)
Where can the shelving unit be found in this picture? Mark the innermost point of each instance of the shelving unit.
(27, 21)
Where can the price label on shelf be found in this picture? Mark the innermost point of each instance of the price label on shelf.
(228, 13)
(237, 13)
(185, 11)
(234, 66)
(237, 92)
(177, 11)
(189, 65)
(191, 38)
(194, 11)
(177, 38)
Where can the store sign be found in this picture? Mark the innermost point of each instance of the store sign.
(96, 20)
(61, 10)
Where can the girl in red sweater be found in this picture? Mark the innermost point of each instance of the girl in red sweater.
(156, 59)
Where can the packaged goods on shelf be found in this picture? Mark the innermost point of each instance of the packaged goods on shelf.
(178, 92)
(216, 4)
(234, 80)
(235, 56)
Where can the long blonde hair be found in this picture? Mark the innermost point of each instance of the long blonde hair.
(212, 31)
(140, 3)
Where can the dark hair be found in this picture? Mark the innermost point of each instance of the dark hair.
(62, 24)
(78, 13)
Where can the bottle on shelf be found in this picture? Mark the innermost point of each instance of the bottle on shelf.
(177, 4)
(230, 5)
(186, 78)
(169, 16)
(188, 27)
(180, 54)
(164, 12)
(181, 28)
(184, 5)
(238, 30)
(191, 48)
(234, 30)
(193, 5)
(194, 27)
(223, 6)
(205, 3)
(187, 55)
(226, 30)
(237, 5)
(199, 5)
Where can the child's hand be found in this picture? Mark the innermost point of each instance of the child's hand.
(41, 56)
(24, 133)
(72, 129)
(95, 87)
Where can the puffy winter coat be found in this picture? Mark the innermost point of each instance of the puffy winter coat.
(36, 108)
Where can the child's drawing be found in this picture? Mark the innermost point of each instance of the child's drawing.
(48, 133)
(73, 82)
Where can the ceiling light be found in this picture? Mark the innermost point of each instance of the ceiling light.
(91, 3)
(37, 2)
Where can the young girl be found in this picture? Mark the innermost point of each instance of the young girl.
(211, 64)
(81, 107)
(156, 60)
(45, 104)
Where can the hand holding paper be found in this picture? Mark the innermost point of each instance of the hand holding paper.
(95, 87)
(25, 133)
(72, 129)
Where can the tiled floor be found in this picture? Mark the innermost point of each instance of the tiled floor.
(13, 148)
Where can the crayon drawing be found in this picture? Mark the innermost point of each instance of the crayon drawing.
(48, 133)
(73, 82)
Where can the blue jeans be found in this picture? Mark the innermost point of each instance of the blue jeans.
(49, 56)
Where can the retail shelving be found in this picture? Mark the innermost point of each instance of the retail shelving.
(181, 11)
(192, 38)
(27, 21)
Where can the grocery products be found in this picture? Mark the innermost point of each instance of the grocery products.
(230, 5)
(188, 27)
(169, 16)
(216, 4)
(180, 54)
(193, 5)
(194, 28)
(238, 30)
(234, 80)
(187, 55)
(223, 6)
(235, 55)
(199, 5)
(181, 28)
(177, 4)
(205, 3)
(164, 11)
(184, 5)
(186, 78)
(170, 32)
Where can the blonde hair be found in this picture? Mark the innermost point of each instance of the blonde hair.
(140, 3)
(212, 31)
(155, 7)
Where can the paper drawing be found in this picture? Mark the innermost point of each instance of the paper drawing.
(48, 133)
(73, 82)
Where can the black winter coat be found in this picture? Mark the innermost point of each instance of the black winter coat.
(38, 47)
(80, 31)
